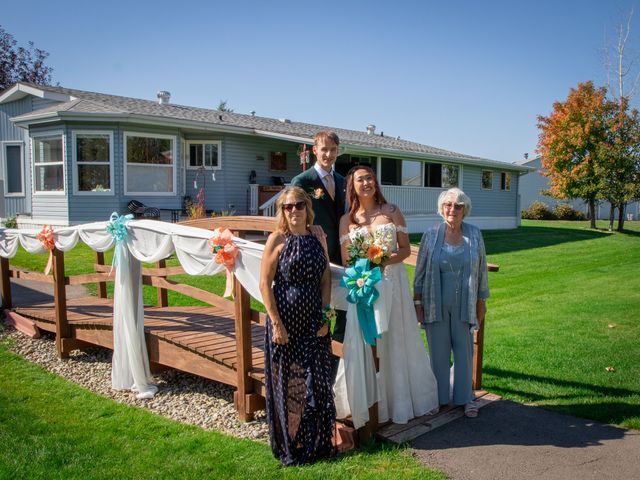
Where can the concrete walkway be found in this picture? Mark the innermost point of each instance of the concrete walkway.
(512, 441)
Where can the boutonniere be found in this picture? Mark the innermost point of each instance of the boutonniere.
(317, 193)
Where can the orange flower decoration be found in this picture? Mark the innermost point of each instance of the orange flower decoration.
(225, 251)
(48, 241)
(375, 254)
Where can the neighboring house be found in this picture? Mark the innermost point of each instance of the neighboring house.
(71, 157)
(533, 183)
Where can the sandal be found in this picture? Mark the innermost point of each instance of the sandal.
(471, 410)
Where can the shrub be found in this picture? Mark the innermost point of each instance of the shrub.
(564, 211)
(538, 211)
(11, 222)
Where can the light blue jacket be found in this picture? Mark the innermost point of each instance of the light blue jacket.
(474, 273)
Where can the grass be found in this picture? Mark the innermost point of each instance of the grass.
(564, 307)
(51, 428)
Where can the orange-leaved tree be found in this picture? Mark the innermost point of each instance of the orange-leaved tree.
(571, 144)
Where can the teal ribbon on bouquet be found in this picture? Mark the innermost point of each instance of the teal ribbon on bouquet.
(117, 228)
(361, 281)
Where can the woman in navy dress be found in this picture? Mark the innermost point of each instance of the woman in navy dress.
(295, 283)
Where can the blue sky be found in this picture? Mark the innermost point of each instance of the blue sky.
(468, 76)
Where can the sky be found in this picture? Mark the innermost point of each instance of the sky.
(467, 76)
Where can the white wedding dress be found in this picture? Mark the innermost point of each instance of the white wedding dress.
(405, 386)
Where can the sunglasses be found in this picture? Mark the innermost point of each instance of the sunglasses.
(456, 206)
(290, 206)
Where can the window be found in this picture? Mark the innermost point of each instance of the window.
(487, 180)
(411, 173)
(203, 153)
(150, 164)
(13, 171)
(48, 165)
(450, 174)
(505, 181)
(390, 171)
(432, 175)
(93, 161)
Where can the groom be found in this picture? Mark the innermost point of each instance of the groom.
(327, 189)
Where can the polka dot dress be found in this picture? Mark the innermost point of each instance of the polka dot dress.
(300, 407)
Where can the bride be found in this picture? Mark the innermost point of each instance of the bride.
(406, 387)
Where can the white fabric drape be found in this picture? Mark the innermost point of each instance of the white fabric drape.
(148, 241)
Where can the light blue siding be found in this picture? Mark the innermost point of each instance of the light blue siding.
(494, 202)
(10, 133)
(52, 207)
(240, 155)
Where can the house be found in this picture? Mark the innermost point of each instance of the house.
(534, 183)
(71, 156)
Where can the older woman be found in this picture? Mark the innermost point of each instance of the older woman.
(450, 288)
(295, 283)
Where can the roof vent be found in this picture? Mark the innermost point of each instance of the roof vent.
(285, 120)
(163, 97)
(371, 129)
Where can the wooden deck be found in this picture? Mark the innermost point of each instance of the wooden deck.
(177, 337)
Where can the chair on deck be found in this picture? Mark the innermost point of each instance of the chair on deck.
(140, 210)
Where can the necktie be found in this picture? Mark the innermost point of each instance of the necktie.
(330, 186)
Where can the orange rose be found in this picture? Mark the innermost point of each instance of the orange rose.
(375, 254)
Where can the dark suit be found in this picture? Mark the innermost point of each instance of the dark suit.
(327, 215)
(327, 211)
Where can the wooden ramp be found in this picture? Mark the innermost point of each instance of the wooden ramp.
(419, 426)
(199, 340)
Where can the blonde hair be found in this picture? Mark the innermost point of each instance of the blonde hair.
(300, 196)
(458, 197)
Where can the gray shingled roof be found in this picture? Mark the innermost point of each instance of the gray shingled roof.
(100, 103)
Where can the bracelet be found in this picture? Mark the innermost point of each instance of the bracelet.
(417, 302)
(328, 314)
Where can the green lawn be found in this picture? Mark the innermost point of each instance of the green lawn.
(564, 307)
(50, 428)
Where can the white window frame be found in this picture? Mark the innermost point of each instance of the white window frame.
(46, 193)
(482, 172)
(174, 165)
(507, 185)
(6, 144)
(74, 155)
(187, 153)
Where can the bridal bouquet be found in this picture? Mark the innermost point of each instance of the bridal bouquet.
(376, 248)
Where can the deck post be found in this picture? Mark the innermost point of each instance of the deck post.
(478, 346)
(243, 348)
(243, 352)
(102, 286)
(63, 331)
(163, 300)
(5, 283)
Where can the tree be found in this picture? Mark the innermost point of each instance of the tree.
(619, 179)
(19, 64)
(222, 107)
(570, 143)
(620, 158)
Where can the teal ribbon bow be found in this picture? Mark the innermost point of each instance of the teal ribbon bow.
(360, 281)
(117, 228)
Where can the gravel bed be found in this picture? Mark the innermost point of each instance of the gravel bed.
(181, 396)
